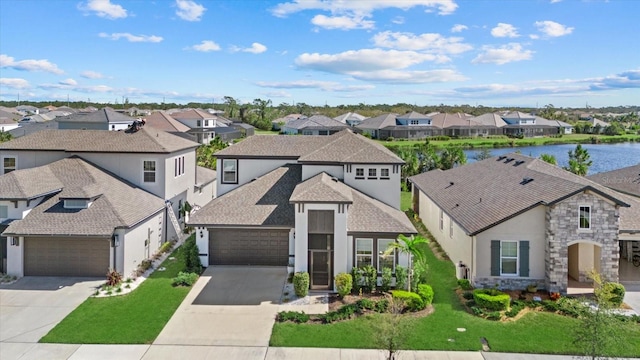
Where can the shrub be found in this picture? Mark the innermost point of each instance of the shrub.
(343, 313)
(516, 307)
(491, 299)
(612, 291)
(301, 283)
(113, 277)
(476, 311)
(494, 315)
(370, 277)
(192, 256)
(166, 247)
(465, 284)
(426, 293)
(294, 316)
(401, 277)
(185, 279)
(387, 274)
(381, 306)
(344, 283)
(145, 265)
(468, 295)
(356, 277)
(550, 305)
(365, 304)
(412, 301)
(571, 307)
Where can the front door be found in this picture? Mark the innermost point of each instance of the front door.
(320, 261)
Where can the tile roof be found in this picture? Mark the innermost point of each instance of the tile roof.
(104, 115)
(321, 188)
(119, 204)
(485, 193)
(146, 140)
(378, 122)
(625, 180)
(261, 202)
(28, 184)
(163, 121)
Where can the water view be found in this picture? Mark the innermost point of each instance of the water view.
(605, 157)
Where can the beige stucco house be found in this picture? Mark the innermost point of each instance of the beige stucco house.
(514, 221)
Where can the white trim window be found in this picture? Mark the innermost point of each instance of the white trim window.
(178, 164)
(9, 164)
(4, 212)
(76, 204)
(584, 217)
(441, 219)
(386, 260)
(229, 171)
(359, 173)
(149, 171)
(509, 258)
(364, 252)
(373, 173)
(384, 173)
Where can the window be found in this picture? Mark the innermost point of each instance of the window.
(384, 173)
(9, 164)
(585, 217)
(450, 227)
(229, 171)
(4, 211)
(414, 122)
(359, 173)
(179, 166)
(307, 132)
(364, 252)
(198, 123)
(386, 261)
(373, 173)
(75, 204)
(206, 123)
(441, 220)
(509, 258)
(149, 171)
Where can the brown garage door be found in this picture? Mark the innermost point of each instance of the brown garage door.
(248, 247)
(66, 256)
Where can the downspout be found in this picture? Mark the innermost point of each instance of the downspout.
(473, 258)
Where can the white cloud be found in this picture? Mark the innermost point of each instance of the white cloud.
(256, 48)
(189, 10)
(342, 22)
(555, 1)
(132, 38)
(104, 8)
(29, 65)
(410, 77)
(503, 54)
(68, 82)
(398, 20)
(364, 60)
(534, 36)
(459, 28)
(505, 30)
(430, 42)
(314, 84)
(553, 29)
(205, 46)
(88, 74)
(15, 83)
(99, 88)
(445, 7)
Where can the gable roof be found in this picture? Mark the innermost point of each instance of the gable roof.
(378, 122)
(192, 114)
(625, 180)
(117, 203)
(145, 140)
(445, 120)
(483, 194)
(517, 115)
(490, 119)
(163, 121)
(321, 188)
(349, 116)
(104, 115)
(413, 115)
(205, 175)
(28, 184)
(315, 122)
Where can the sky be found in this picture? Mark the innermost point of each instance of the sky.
(530, 53)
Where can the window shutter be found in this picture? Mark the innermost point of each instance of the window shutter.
(524, 258)
(495, 257)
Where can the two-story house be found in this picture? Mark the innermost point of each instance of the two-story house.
(114, 186)
(103, 119)
(322, 203)
(205, 126)
(514, 221)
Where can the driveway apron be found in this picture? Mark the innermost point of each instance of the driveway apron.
(228, 306)
(32, 306)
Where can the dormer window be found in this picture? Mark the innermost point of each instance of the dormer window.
(76, 203)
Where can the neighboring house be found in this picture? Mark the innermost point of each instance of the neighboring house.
(411, 125)
(350, 118)
(458, 124)
(315, 125)
(205, 126)
(277, 124)
(527, 125)
(162, 121)
(30, 128)
(512, 221)
(103, 119)
(322, 203)
(159, 163)
(372, 126)
(625, 180)
(7, 123)
(246, 130)
(597, 125)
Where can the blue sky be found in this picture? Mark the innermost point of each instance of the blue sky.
(426, 52)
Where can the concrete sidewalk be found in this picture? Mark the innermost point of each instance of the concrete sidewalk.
(24, 351)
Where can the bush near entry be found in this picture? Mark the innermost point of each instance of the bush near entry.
(491, 299)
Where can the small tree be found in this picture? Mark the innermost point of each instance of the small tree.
(192, 256)
(579, 162)
(484, 153)
(412, 247)
(390, 328)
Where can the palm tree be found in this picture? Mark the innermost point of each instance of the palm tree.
(579, 161)
(410, 246)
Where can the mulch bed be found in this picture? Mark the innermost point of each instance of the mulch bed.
(336, 302)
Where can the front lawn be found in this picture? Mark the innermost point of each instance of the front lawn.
(135, 318)
(535, 332)
(405, 200)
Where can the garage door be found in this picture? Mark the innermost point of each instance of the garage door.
(66, 257)
(248, 247)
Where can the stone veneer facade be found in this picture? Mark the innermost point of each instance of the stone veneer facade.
(562, 229)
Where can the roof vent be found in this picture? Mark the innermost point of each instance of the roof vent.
(518, 162)
(509, 160)
(501, 157)
(526, 181)
(451, 183)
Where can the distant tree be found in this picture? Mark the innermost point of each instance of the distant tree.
(484, 153)
(452, 156)
(549, 159)
(614, 129)
(579, 162)
(231, 106)
(205, 153)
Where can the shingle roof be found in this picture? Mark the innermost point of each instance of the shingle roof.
(30, 128)
(483, 194)
(348, 148)
(104, 115)
(205, 176)
(378, 122)
(272, 146)
(630, 216)
(28, 184)
(517, 115)
(262, 202)
(146, 140)
(315, 122)
(444, 120)
(413, 115)
(119, 204)
(490, 119)
(321, 188)
(163, 121)
(192, 114)
(626, 180)
(349, 116)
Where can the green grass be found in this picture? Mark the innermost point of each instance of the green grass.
(265, 132)
(405, 200)
(507, 142)
(535, 332)
(134, 318)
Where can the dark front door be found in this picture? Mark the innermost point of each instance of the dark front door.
(320, 261)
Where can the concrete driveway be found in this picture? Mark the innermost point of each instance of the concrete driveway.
(32, 306)
(230, 306)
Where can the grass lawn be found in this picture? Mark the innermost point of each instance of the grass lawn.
(405, 200)
(265, 132)
(535, 332)
(135, 318)
(507, 142)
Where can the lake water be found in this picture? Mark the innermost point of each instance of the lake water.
(605, 157)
